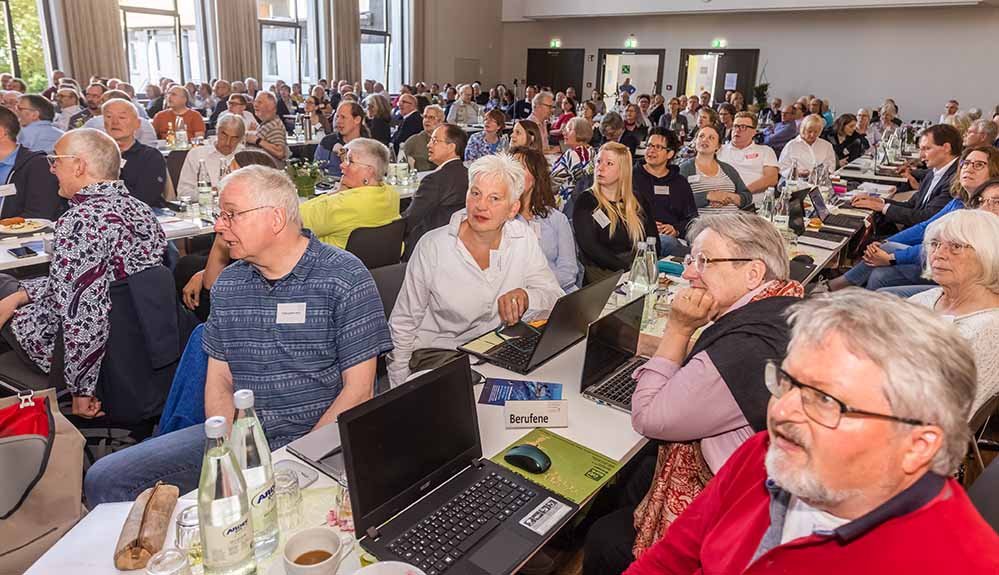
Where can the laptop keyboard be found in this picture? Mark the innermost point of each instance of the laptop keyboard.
(620, 386)
(843, 221)
(506, 355)
(437, 542)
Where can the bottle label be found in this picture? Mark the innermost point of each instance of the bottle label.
(263, 508)
(229, 544)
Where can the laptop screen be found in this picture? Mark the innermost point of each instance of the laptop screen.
(818, 203)
(402, 444)
(611, 341)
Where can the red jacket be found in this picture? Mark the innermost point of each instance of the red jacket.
(721, 530)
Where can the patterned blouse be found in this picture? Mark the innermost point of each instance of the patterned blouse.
(107, 235)
(478, 147)
(569, 168)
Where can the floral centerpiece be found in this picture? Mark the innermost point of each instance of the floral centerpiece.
(305, 174)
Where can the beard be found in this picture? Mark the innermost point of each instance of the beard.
(801, 481)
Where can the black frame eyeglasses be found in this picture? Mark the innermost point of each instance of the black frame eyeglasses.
(818, 405)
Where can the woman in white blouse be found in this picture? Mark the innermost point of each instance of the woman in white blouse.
(962, 255)
(481, 271)
(808, 149)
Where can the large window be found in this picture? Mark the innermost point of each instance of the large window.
(383, 40)
(289, 51)
(21, 50)
(162, 39)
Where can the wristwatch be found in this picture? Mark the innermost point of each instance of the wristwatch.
(891, 260)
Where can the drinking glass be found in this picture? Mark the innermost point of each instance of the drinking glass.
(168, 562)
(344, 515)
(188, 538)
(289, 499)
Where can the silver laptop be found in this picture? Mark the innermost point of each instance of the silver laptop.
(321, 449)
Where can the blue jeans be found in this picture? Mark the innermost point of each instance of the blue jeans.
(905, 292)
(670, 246)
(874, 278)
(174, 458)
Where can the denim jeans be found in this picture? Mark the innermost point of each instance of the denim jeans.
(905, 292)
(874, 278)
(670, 246)
(174, 458)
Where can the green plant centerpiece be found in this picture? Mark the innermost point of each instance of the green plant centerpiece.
(305, 174)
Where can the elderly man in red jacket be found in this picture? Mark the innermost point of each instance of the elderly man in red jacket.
(867, 422)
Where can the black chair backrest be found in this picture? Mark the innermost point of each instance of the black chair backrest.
(981, 416)
(175, 164)
(377, 247)
(984, 494)
(388, 280)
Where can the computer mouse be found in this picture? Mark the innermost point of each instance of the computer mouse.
(803, 259)
(529, 458)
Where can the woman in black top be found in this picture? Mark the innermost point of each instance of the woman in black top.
(846, 142)
(660, 185)
(379, 112)
(609, 218)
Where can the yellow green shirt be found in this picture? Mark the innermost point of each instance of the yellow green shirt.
(332, 217)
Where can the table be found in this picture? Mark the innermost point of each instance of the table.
(862, 169)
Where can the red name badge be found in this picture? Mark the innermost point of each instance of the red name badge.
(752, 156)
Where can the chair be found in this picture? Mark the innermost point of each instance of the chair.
(175, 164)
(380, 246)
(984, 494)
(388, 281)
(978, 424)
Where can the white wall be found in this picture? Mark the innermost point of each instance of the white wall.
(919, 56)
(462, 30)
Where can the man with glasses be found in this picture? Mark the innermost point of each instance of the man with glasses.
(36, 190)
(105, 236)
(867, 423)
(778, 135)
(659, 181)
(442, 192)
(416, 147)
(981, 132)
(217, 156)
(939, 147)
(37, 130)
(756, 163)
(296, 321)
(412, 121)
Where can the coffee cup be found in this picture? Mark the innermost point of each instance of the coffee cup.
(315, 551)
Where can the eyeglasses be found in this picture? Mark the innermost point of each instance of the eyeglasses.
(228, 217)
(700, 261)
(659, 147)
(953, 248)
(975, 165)
(818, 405)
(347, 160)
(739, 127)
(52, 158)
(988, 203)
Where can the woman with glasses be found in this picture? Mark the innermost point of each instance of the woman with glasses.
(896, 261)
(609, 219)
(715, 184)
(702, 397)
(660, 183)
(348, 124)
(962, 257)
(314, 111)
(674, 120)
(363, 199)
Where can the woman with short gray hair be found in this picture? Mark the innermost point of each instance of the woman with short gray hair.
(363, 200)
(577, 160)
(963, 258)
(704, 397)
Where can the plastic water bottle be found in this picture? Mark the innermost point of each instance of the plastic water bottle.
(204, 188)
(782, 209)
(223, 509)
(652, 271)
(180, 133)
(639, 277)
(254, 457)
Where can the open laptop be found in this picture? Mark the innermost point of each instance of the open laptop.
(420, 491)
(612, 356)
(841, 224)
(566, 325)
(321, 449)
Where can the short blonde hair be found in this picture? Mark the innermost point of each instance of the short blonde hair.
(976, 228)
(813, 119)
(582, 129)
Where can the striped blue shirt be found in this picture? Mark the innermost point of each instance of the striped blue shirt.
(294, 367)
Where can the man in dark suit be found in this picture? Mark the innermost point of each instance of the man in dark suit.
(522, 108)
(442, 192)
(36, 189)
(221, 89)
(939, 146)
(412, 121)
(612, 128)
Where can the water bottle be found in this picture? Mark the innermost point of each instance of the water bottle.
(180, 133)
(767, 206)
(782, 209)
(223, 509)
(652, 272)
(299, 129)
(254, 457)
(639, 277)
(204, 188)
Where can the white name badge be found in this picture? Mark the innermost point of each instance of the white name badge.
(291, 312)
(520, 414)
(694, 179)
(601, 218)
(661, 190)
(7, 190)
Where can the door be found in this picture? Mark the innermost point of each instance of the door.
(718, 71)
(559, 68)
(644, 67)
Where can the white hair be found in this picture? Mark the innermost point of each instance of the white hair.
(235, 121)
(115, 101)
(976, 228)
(268, 187)
(540, 96)
(928, 367)
(97, 149)
(502, 167)
(812, 119)
(749, 236)
(373, 152)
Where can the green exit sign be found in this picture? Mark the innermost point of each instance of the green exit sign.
(555, 43)
(631, 43)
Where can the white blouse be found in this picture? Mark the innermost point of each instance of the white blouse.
(807, 156)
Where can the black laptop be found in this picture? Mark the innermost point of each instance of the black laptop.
(566, 325)
(835, 223)
(420, 491)
(612, 356)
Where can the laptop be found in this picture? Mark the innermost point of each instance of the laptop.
(321, 449)
(841, 224)
(566, 325)
(420, 491)
(612, 356)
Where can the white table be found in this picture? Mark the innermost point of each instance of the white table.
(862, 169)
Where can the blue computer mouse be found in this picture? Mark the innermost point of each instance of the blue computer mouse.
(529, 458)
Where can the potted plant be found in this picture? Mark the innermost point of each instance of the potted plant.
(305, 174)
(761, 94)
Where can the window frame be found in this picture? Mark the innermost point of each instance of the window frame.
(183, 55)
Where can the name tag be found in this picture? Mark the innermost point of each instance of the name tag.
(601, 218)
(291, 312)
(661, 190)
(520, 414)
(694, 179)
(7, 190)
(752, 156)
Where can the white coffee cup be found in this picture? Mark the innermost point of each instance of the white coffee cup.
(389, 568)
(316, 539)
